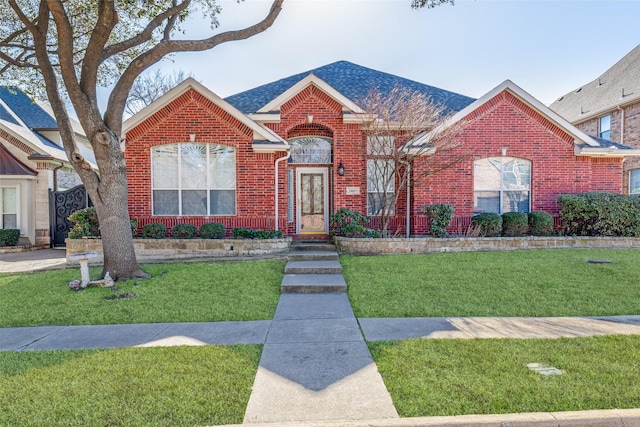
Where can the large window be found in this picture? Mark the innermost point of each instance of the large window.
(634, 181)
(8, 207)
(502, 184)
(310, 150)
(604, 127)
(380, 186)
(193, 179)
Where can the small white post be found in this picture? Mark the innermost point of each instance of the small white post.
(84, 270)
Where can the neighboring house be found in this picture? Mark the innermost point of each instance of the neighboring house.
(32, 162)
(194, 157)
(609, 108)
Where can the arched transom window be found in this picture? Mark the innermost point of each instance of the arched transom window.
(311, 149)
(502, 184)
(193, 179)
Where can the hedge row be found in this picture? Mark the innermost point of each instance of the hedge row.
(600, 214)
(512, 224)
(9, 237)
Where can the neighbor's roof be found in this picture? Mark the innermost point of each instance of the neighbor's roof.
(27, 109)
(10, 165)
(605, 93)
(352, 81)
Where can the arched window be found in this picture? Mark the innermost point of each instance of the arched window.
(502, 184)
(193, 179)
(311, 149)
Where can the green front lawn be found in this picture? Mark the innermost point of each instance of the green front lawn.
(183, 292)
(173, 386)
(488, 376)
(518, 283)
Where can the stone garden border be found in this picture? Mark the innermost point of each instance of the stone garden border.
(423, 245)
(154, 249)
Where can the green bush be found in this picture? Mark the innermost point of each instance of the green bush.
(357, 230)
(9, 237)
(440, 216)
(86, 223)
(540, 223)
(487, 224)
(154, 230)
(343, 217)
(515, 224)
(245, 233)
(183, 231)
(212, 230)
(600, 214)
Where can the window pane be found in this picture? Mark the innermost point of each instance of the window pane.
(9, 201)
(194, 165)
(164, 160)
(223, 167)
(379, 200)
(516, 174)
(194, 202)
(380, 175)
(380, 145)
(605, 127)
(290, 196)
(10, 221)
(486, 174)
(310, 150)
(165, 202)
(634, 182)
(223, 202)
(515, 201)
(486, 201)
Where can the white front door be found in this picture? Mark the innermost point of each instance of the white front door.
(312, 201)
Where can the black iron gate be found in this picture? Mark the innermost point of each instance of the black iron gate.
(61, 205)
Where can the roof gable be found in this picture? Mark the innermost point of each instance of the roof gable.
(353, 82)
(617, 86)
(261, 133)
(583, 143)
(10, 165)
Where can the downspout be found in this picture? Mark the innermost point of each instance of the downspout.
(55, 176)
(276, 184)
(621, 125)
(408, 220)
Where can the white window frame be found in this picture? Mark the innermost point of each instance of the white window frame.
(501, 190)
(209, 186)
(601, 130)
(632, 175)
(15, 187)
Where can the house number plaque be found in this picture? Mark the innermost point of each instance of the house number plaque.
(353, 191)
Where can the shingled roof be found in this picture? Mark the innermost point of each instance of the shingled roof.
(24, 107)
(617, 86)
(353, 81)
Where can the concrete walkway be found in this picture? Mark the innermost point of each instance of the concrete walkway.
(316, 369)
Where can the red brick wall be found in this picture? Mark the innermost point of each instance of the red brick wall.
(506, 122)
(193, 113)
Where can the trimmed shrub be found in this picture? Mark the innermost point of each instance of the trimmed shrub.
(9, 237)
(440, 216)
(245, 233)
(540, 223)
(212, 230)
(154, 230)
(343, 217)
(600, 214)
(357, 230)
(86, 223)
(183, 231)
(488, 224)
(515, 224)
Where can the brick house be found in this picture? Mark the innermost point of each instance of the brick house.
(32, 162)
(246, 160)
(609, 108)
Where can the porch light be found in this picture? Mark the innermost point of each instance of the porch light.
(341, 169)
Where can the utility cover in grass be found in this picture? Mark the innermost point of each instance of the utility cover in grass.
(544, 370)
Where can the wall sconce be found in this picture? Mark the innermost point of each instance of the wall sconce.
(341, 169)
(504, 151)
(192, 137)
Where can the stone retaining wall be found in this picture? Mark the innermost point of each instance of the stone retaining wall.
(153, 249)
(421, 245)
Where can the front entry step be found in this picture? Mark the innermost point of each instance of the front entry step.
(313, 267)
(296, 255)
(313, 283)
(313, 246)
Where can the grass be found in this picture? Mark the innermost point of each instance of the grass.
(485, 376)
(184, 292)
(520, 283)
(173, 386)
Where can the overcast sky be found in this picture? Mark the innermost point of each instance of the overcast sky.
(546, 47)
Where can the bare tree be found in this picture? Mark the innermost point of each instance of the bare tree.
(75, 45)
(408, 139)
(149, 87)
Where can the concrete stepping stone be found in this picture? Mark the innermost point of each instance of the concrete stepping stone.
(314, 246)
(313, 267)
(296, 255)
(313, 283)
